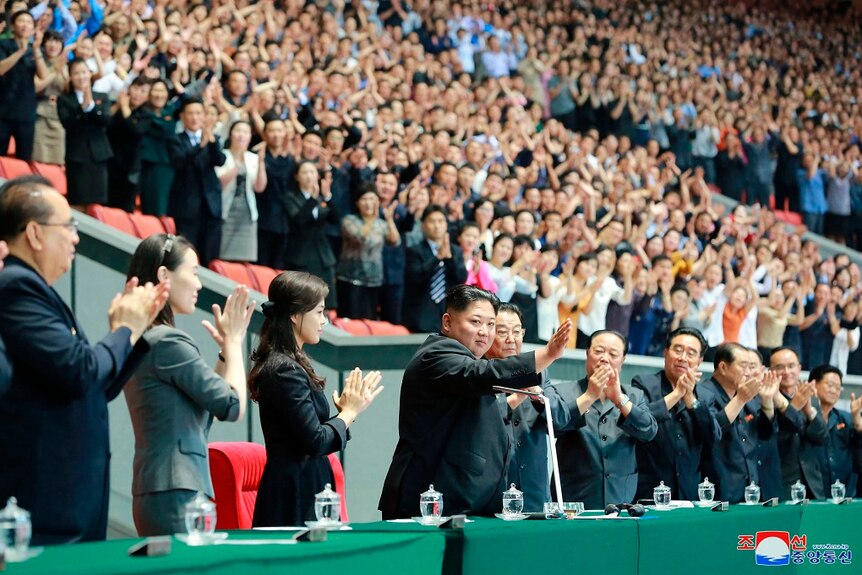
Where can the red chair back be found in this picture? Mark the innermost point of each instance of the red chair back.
(264, 276)
(55, 174)
(236, 469)
(13, 168)
(237, 272)
(145, 225)
(340, 486)
(114, 217)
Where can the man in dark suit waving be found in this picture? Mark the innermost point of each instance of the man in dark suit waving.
(195, 201)
(432, 268)
(5, 364)
(451, 431)
(54, 416)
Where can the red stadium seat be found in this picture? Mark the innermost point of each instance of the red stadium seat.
(55, 174)
(236, 469)
(386, 328)
(352, 326)
(237, 272)
(114, 217)
(789, 217)
(11, 150)
(13, 168)
(169, 224)
(145, 225)
(263, 276)
(340, 487)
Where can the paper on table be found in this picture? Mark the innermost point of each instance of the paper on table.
(255, 542)
(400, 521)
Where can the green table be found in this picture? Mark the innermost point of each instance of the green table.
(343, 552)
(681, 541)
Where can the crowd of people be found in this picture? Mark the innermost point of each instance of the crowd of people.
(560, 157)
(573, 150)
(569, 121)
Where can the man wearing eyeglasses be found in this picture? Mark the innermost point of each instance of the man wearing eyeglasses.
(54, 444)
(597, 447)
(840, 456)
(525, 419)
(685, 424)
(801, 426)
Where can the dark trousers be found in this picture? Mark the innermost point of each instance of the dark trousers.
(204, 233)
(271, 249)
(391, 301)
(23, 131)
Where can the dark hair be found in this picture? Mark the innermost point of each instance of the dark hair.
(465, 226)
(506, 307)
(526, 211)
(782, 348)
(524, 240)
(432, 209)
(365, 188)
(22, 202)
(585, 257)
(695, 333)
(52, 35)
(227, 144)
(290, 293)
(726, 353)
(817, 374)
(460, 297)
(77, 62)
(188, 101)
(660, 258)
(18, 14)
(299, 167)
(154, 252)
(501, 237)
(621, 337)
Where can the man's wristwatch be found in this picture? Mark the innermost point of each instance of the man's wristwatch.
(624, 399)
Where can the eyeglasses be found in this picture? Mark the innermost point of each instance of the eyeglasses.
(71, 225)
(514, 334)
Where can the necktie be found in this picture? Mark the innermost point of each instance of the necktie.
(438, 284)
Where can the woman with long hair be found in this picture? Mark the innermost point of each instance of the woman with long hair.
(294, 413)
(174, 395)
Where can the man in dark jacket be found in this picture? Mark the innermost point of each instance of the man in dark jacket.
(451, 432)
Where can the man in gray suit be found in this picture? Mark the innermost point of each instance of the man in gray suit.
(597, 448)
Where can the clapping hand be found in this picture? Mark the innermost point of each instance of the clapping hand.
(232, 324)
(358, 393)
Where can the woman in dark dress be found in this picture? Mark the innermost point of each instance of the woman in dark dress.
(85, 116)
(294, 414)
(156, 125)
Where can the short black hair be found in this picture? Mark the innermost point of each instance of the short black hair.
(188, 101)
(726, 353)
(621, 337)
(817, 374)
(523, 239)
(695, 333)
(21, 202)
(460, 297)
(433, 209)
(783, 348)
(510, 308)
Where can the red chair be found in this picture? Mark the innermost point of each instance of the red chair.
(352, 326)
(114, 217)
(146, 226)
(169, 224)
(13, 168)
(264, 276)
(237, 272)
(55, 174)
(340, 487)
(236, 469)
(386, 328)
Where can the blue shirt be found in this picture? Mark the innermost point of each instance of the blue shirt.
(812, 192)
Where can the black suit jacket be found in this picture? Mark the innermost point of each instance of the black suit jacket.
(54, 417)
(451, 431)
(5, 369)
(420, 313)
(798, 439)
(196, 187)
(734, 459)
(308, 248)
(674, 455)
(86, 136)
